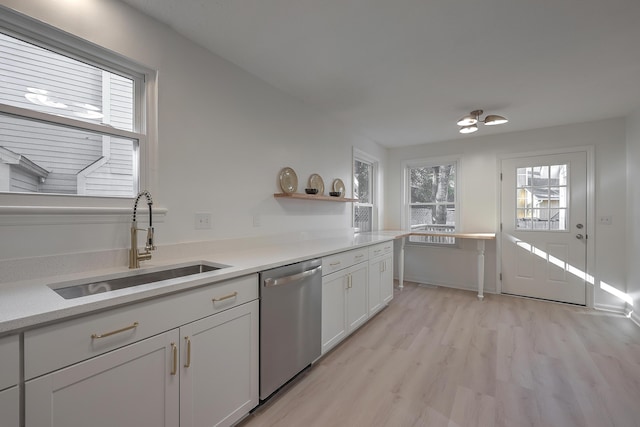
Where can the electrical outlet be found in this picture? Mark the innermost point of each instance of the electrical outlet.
(605, 220)
(202, 220)
(256, 220)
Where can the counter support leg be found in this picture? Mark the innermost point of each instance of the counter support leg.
(480, 270)
(401, 264)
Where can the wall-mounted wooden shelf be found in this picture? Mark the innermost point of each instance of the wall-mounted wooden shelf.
(313, 197)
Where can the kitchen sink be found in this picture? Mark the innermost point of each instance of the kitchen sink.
(112, 283)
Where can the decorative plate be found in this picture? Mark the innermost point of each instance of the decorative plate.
(288, 180)
(338, 185)
(315, 181)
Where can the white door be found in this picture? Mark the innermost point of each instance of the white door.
(543, 216)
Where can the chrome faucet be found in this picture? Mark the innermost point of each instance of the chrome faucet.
(135, 255)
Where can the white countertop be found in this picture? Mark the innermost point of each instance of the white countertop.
(31, 302)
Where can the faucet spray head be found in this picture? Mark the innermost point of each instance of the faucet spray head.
(150, 246)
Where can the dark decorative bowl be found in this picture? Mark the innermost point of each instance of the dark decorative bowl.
(335, 193)
(311, 190)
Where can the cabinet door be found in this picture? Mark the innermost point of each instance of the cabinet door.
(136, 385)
(219, 371)
(357, 301)
(386, 280)
(375, 277)
(333, 310)
(10, 407)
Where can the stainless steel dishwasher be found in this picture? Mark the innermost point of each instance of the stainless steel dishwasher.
(290, 322)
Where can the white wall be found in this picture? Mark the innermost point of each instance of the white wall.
(478, 193)
(223, 137)
(633, 211)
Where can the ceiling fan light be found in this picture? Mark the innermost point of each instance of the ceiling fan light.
(468, 120)
(468, 129)
(494, 119)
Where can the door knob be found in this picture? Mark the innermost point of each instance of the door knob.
(579, 226)
(579, 236)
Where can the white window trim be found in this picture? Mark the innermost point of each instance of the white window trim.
(375, 186)
(406, 196)
(25, 208)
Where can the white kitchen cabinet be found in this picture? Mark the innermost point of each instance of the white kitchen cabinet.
(344, 303)
(10, 407)
(380, 276)
(334, 322)
(197, 373)
(10, 357)
(219, 369)
(9, 378)
(137, 385)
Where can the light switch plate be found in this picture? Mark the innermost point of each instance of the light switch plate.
(605, 220)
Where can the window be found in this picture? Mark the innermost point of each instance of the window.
(72, 116)
(364, 185)
(431, 200)
(542, 197)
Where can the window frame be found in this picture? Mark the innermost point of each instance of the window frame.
(406, 196)
(361, 156)
(145, 118)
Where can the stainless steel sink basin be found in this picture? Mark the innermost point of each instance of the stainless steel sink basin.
(107, 284)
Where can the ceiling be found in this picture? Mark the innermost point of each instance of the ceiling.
(402, 72)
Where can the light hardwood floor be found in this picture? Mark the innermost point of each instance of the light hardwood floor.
(439, 357)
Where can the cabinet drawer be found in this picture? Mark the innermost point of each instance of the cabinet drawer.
(343, 260)
(58, 345)
(381, 249)
(10, 357)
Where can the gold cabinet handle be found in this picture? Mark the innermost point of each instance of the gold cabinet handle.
(333, 264)
(108, 334)
(359, 256)
(188, 341)
(174, 351)
(218, 299)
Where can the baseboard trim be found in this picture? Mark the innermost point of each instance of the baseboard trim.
(635, 318)
(611, 308)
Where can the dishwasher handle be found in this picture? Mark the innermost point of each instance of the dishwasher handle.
(269, 282)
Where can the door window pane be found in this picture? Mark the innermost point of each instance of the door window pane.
(541, 197)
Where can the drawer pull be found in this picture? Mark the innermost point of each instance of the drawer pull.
(333, 264)
(218, 299)
(188, 341)
(359, 256)
(108, 334)
(174, 351)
